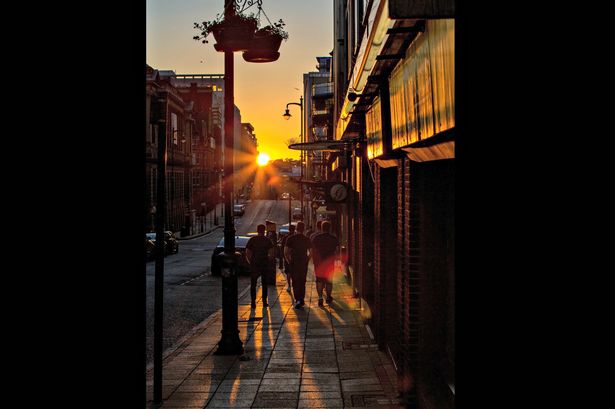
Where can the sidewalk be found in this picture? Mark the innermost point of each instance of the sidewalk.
(209, 224)
(317, 357)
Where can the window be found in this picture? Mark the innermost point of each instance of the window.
(196, 179)
(174, 128)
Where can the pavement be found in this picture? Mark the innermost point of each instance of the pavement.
(208, 225)
(315, 357)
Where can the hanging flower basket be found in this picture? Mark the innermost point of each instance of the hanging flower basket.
(234, 37)
(234, 34)
(260, 56)
(266, 43)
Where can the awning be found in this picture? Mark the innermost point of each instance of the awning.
(445, 150)
(386, 163)
(326, 146)
(438, 147)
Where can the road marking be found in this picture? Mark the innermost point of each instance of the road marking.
(192, 279)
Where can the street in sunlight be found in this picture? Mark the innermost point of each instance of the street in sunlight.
(300, 190)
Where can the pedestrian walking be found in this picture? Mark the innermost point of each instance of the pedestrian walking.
(259, 253)
(318, 230)
(272, 234)
(297, 253)
(287, 269)
(324, 251)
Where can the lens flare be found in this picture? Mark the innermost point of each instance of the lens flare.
(262, 159)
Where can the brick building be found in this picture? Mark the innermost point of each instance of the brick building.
(195, 134)
(206, 148)
(246, 153)
(394, 104)
(179, 124)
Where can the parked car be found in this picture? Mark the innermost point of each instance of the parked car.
(297, 215)
(150, 245)
(240, 246)
(239, 210)
(172, 242)
(150, 248)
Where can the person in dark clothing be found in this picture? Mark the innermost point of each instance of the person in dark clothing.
(318, 230)
(271, 234)
(287, 270)
(324, 251)
(259, 253)
(297, 254)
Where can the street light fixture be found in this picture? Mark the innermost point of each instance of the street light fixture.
(287, 116)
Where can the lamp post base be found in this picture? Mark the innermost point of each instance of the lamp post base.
(230, 344)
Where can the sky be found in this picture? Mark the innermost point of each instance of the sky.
(261, 90)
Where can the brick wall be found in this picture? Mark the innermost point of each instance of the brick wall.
(385, 257)
(366, 235)
(413, 277)
(426, 283)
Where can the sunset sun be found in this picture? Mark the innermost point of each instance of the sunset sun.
(262, 159)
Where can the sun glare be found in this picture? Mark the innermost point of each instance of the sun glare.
(262, 159)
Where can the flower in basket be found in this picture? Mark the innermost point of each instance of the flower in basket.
(237, 24)
(273, 30)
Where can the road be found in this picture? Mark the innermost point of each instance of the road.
(191, 294)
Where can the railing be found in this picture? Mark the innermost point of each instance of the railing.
(184, 80)
(319, 112)
(200, 76)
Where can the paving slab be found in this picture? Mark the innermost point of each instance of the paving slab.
(310, 358)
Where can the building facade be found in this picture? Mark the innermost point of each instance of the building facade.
(318, 126)
(179, 125)
(206, 145)
(195, 146)
(394, 105)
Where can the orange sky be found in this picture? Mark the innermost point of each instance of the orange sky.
(261, 90)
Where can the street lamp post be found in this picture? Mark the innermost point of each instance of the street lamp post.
(229, 343)
(175, 141)
(287, 116)
(160, 104)
(290, 218)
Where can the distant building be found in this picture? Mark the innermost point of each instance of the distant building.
(245, 160)
(318, 123)
(203, 159)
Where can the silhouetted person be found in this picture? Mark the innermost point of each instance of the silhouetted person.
(287, 269)
(259, 253)
(324, 250)
(297, 254)
(271, 233)
(318, 230)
